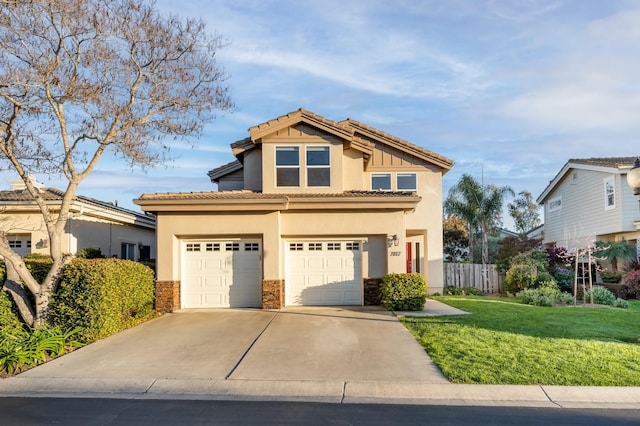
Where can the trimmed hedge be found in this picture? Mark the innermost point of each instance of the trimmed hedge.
(103, 297)
(403, 292)
(38, 265)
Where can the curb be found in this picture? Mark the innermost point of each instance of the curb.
(357, 392)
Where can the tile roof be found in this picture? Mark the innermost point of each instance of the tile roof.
(615, 162)
(246, 194)
(441, 160)
(53, 194)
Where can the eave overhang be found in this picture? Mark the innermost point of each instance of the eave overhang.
(234, 202)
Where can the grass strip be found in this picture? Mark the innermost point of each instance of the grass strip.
(504, 342)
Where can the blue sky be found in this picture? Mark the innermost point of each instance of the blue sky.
(509, 90)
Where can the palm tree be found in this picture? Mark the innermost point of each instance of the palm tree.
(480, 205)
(614, 251)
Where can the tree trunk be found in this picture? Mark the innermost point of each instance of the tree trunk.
(19, 295)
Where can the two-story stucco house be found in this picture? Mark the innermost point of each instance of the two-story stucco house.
(116, 231)
(311, 212)
(589, 200)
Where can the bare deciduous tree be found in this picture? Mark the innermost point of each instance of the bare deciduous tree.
(80, 79)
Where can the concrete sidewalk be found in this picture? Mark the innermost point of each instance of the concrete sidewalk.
(338, 355)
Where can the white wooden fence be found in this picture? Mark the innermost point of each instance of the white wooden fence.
(486, 279)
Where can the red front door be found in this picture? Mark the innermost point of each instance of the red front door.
(409, 259)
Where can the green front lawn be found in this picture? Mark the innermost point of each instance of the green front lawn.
(505, 342)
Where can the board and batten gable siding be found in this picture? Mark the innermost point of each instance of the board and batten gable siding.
(583, 214)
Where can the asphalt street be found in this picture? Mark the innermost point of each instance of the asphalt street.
(89, 411)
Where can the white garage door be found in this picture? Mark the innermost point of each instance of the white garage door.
(221, 274)
(324, 273)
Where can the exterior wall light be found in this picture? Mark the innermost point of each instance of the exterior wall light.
(633, 177)
(392, 240)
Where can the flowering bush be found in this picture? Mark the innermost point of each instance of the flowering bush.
(632, 279)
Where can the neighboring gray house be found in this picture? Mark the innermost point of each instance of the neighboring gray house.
(588, 200)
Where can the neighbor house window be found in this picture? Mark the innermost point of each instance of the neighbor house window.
(381, 182)
(318, 170)
(406, 182)
(287, 166)
(555, 204)
(609, 193)
(128, 251)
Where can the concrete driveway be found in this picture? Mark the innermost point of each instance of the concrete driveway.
(311, 343)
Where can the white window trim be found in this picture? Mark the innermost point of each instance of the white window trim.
(551, 208)
(306, 166)
(612, 180)
(276, 167)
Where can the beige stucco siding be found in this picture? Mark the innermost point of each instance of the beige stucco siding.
(174, 227)
(352, 176)
(108, 237)
(80, 232)
(356, 224)
(302, 139)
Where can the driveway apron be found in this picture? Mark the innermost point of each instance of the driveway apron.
(202, 344)
(310, 343)
(337, 343)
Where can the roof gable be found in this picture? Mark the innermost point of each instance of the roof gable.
(614, 165)
(355, 135)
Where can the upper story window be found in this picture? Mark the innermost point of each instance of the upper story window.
(287, 166)
(555, 204)
(318, 170)
(381, 181)
(406, 182)
(403, 182)
(609, 193)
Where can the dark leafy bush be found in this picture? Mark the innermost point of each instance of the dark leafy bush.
(465, 291)
(403, 292)
(564, 277)
(90, 253)
(509, 247)
(103, 297)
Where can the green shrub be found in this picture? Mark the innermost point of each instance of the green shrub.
(601, 296)
(621, 303)
(523, 273)
(546, 294)
(403, 292)
(464, 291)
(90, 253)
(534, 296)
(9, 319)
(39, 265)
(103, 297)
(611, 277)
(565, 298)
